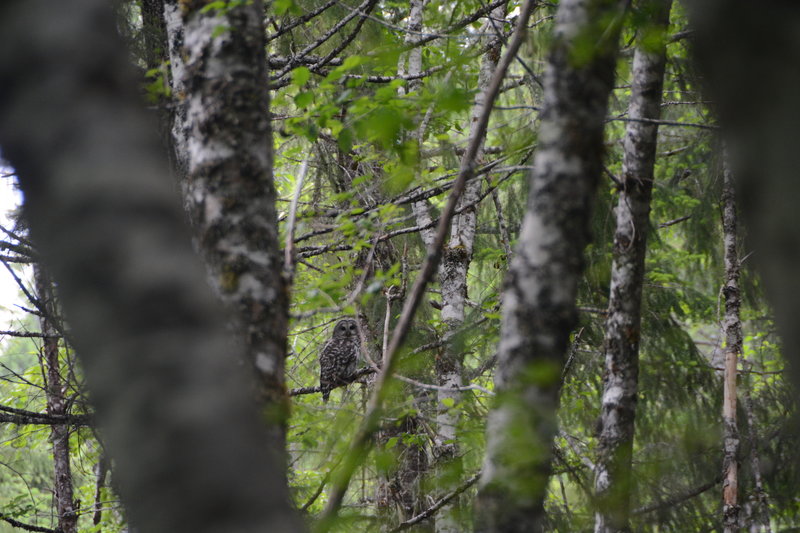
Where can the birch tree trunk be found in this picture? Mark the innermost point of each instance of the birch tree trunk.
(180, 424)
(173, 27)
(456, 258)
(230, 188)
(56, 404)
(540, 288)
(613, 480)
(732, 328)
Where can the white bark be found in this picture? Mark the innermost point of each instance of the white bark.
(540, 289)
(457, 255)
(174, 28)
(453, 280)
(620, 380)
(230, 189)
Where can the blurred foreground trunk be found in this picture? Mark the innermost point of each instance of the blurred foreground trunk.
(169, 390)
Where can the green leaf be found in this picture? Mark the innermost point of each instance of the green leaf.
(282, 6)
(300, 76)
(345, 140)
(219, 30)
(303, 99)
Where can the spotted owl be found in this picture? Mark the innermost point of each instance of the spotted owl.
(338, 358)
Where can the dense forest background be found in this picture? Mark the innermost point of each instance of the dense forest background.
(427, 163)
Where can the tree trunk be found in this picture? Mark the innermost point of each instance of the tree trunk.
(56, 403)
(613, 481)
(175, 404)
(173, 26)
(453, 270)
(758, 508)
(230, 187)
(454, 266)
(541, 286)
(732, 328)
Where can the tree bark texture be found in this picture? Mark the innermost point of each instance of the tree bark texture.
(173, 25)
(56, 403)
(456, 258)
(613, 480)
(732, 329)
(174, 403)
(541, 286)
(230, 187)
(453, 271)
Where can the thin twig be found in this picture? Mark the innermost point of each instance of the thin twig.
(288, 262)
(674, 221)
(679, 498)
(27, 527)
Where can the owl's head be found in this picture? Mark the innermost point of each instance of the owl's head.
(346, 328)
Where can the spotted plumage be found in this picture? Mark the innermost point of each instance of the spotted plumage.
(338, 358)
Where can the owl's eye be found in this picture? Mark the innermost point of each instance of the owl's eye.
(352, 327)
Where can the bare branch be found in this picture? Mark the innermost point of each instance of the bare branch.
(430, 511)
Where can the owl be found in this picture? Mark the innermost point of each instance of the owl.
(338, 358)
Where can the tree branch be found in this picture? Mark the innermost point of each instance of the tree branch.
(427, 513)
(27, 527)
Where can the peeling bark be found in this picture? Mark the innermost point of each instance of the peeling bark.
(56, 404)
(613, 481)
(540, 288)
(732, 328)
(230, 188)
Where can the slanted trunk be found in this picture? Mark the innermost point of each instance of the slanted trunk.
(620, 379)
(732, 328)
(230, 188)
(540, 289)
(56, 403)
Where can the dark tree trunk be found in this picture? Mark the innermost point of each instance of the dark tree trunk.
(540, 289)
(56, 403)
(176, 407)
(623, 325)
